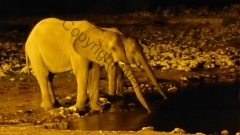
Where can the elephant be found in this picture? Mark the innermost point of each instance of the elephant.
(135, 55)
(55, 46)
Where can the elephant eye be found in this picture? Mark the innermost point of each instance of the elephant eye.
(113, 48)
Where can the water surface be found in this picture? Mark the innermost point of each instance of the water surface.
(206, 107)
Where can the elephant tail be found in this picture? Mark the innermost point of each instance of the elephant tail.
(27, 64)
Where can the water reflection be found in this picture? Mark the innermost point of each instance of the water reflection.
(207, 107)
(121, 120)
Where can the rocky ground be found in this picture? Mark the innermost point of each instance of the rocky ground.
(180, 45)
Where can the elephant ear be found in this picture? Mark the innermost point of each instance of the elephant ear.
(113, 30)
(89, 44)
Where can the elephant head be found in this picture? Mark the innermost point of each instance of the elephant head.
(135, 55)
(105, 47)
(100, 46)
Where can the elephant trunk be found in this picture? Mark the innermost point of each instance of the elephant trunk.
(151, 75)
(128, 72)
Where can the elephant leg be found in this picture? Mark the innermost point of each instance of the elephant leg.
(94, 77)
(41, 74)
(111, 70)
(80, 69)
(50, 89)
(89, 79)
(119, 81)
(89, 83)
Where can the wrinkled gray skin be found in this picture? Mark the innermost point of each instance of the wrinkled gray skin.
(135, 55)
(55, 46)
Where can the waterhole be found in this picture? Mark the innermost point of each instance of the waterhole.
(207, 107)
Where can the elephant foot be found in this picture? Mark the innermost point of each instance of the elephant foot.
(56, 103)
(46, 104)
(120, 94)
(96, 107)
(77, 108)
(111, 94)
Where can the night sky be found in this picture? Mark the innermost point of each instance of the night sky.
(45, 7)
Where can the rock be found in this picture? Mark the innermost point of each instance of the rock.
(193, 64)
(172, 89)
(12, 79)
(20, 111)
(167, 55)
(220, 51)
(153, 53)
(38, 122)
(103, 101)
(68, 98)
(199, 133)
(193, 49)
(2, 73)
(145, 49)
(141, 86)
(61, 112)
(212, 65)
(229, 62)
(166, 13)
(207, 64)
(224, 132)
(180, 68)
(130, 89)
(178, 130)
(76, 115)
(185, 57)
(17, 66)
(24, 70)
(184, 79)
(152, 63)
(15, 61)
(185, 52)
(6, 67)
(150, 128)
(165, 64)
(73, 108)
(218, 62)
(232, 70)
(22, 79)
(131, 104)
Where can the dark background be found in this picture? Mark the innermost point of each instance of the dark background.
(19, 8)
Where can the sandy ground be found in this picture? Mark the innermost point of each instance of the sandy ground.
(20, 131)
(20, 100)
